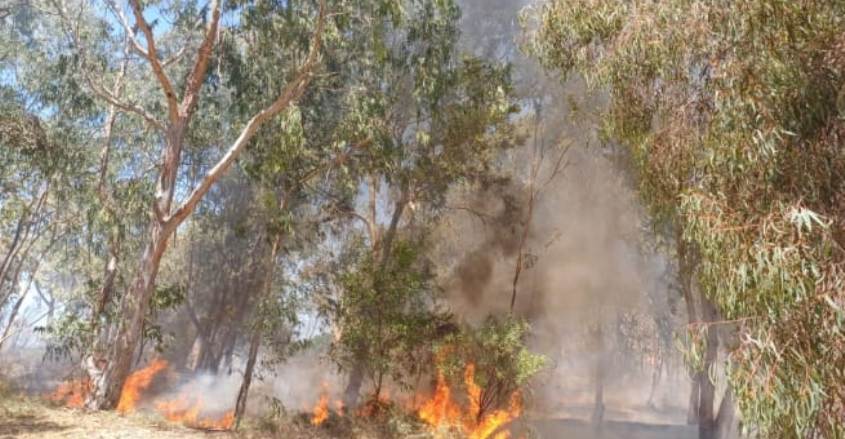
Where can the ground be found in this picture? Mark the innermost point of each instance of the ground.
(25, 417)
(28, 417)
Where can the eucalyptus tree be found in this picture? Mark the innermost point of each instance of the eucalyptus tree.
(437, 118)
(46, 163)
(301, 166)
(169, 57)
(733, 113)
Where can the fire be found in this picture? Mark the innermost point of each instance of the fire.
(321, 409)
(71, 393)
(182, 409)
(136, 384)
(441, 411)
(188, 413)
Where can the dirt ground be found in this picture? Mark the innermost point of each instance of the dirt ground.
(25, 418)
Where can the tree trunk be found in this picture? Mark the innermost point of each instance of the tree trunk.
(353, 387)
(523, 240)
(601, 366)
(243, 392)
(385, 244)
(727, 426)
(695, 396)
(12, 316)
(706, 418)
(655, 379)
(255, 340)
(686, 281)
(109, 373)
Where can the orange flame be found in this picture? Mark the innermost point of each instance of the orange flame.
(181, 409)
(136, 384)
(71, 393)
(442, 412)
(187, 413)
(321, 409)
(440, 409)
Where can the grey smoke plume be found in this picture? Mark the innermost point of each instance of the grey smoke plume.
(590, 272)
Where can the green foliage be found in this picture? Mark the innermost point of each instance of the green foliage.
(733, 115)
(387, 314)
(502, 362)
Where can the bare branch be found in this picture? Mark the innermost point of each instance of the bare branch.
(175, 57)
(152, 56)
(482, 216)
(559, 166)
(197, 75)
(101, 92)
(130, 33)
(292, 91)
(107, 131)
(125, 106)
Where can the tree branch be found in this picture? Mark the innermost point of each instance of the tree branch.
(130, 33)
(197, 75)
(125, 106)
(152, 55)
(104, 94)
(292, 91)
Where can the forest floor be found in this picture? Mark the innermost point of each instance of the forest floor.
(26, 417)
(29, 417)
(26, 414)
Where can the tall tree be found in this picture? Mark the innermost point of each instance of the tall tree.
(171, 119)
(440, 118)
(733, 114)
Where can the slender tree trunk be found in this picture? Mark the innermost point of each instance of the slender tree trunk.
(601, 366)
(706, 418)
(384, 246)
(255, 340)
(353, 386)
(13, 315)
(11, 251)
(22, 233)
(685, 278)
(243, 392)
(655, 379)
(523, 240)
(106, 290)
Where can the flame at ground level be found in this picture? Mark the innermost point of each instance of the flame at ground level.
(137, 383)
(71, 393)
(181, 409)
(321, 410)
(441, 411)
(188, 412)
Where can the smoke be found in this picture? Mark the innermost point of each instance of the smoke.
(597, 297)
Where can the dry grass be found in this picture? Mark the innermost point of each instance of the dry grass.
(25, 416)
(28, 417)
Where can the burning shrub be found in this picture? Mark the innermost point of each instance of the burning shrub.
(492, 363)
